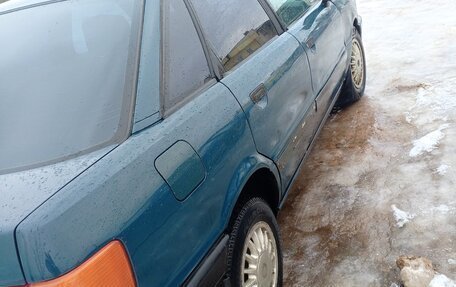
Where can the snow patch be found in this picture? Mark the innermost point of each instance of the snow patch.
(452, 261)
(424, 97)
(433, 103)
(429, 142)
(409, 117)
(402, 217)
(443, 208)
(441, 280)
(442, 169)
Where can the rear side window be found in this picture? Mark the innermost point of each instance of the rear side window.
(184, 62)
(290, 10)
(235, 29)
(66, 80)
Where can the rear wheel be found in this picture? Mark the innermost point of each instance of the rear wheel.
(355, 79)
(254, 254)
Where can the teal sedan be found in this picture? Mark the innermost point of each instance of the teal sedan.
(152, 143)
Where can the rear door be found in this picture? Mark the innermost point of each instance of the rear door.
(196, 149)
(268, 73)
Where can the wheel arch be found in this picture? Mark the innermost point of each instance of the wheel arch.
(357, 24)
(262, 181)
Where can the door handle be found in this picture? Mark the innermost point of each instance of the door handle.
(258, 94)
(310, 43)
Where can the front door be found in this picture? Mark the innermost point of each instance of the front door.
(321, 32)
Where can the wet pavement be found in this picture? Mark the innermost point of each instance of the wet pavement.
(380, 181)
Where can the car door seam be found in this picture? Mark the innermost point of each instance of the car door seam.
(308, 61)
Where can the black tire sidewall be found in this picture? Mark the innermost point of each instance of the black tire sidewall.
(350, 93)
(254, 211)
(358, 93)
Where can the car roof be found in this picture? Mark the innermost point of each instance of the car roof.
(13, 5)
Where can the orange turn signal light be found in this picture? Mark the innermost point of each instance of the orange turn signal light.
(108, 267)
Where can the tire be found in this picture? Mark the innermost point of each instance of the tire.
(355, 79)
(247, 252)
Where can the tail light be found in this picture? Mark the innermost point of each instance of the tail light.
(108, 267)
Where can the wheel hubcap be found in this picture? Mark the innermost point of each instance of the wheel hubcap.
(357, 64)
(259, 259)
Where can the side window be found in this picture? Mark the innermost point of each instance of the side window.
(235, 29)
(290, 10)
(185, 67)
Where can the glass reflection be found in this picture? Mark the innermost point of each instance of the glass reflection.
(235, 29)
(290, 10)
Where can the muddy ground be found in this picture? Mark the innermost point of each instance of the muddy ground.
(387, 161)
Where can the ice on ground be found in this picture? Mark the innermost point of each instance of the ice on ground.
(437, 98)
(434, 102)
(442, 208)
(452, 261)
(442, 169)
(422, 98)
(441, 280)
(411, 91)
(402, 217)
(429, 142)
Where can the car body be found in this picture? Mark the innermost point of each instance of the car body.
(149, 122)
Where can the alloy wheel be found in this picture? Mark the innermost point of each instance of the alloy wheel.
(357, 64)
(259, 265)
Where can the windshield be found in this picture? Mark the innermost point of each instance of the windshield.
(66, 79)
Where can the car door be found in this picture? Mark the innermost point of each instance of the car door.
(268, 73)
(196, 149)
(319, 27)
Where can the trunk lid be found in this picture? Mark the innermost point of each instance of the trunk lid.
(21, 193)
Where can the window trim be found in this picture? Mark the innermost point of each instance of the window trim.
(219, 70)
(200, 90)
(154, 116)
(208, 51)
(162, 58)
(135, 68)
(212, 80)
(273, 16)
